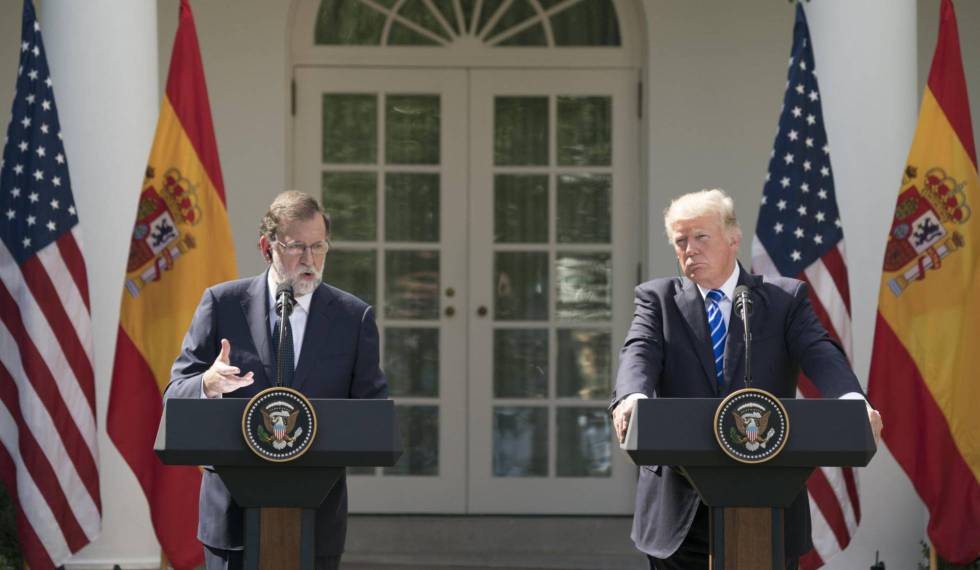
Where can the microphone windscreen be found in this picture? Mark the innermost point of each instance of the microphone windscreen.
(285, 287)
(742, 295)
(284, 296)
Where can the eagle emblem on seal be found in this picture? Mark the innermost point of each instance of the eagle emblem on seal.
(279, 421)
(751, 425)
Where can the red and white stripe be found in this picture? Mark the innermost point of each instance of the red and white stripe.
(48, 449)
(835, 506)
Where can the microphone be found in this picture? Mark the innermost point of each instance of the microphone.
(743, 307)
(285, 299)
(743, 301)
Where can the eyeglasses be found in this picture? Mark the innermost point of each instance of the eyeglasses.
(298, 248)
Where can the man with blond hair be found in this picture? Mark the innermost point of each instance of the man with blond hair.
(677, 347)
(229, 352)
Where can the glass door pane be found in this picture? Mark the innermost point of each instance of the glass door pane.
(553, 221)
(387, 153)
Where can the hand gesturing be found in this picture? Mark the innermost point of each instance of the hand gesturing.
(222, 377)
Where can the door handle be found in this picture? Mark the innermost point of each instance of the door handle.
(481, 311)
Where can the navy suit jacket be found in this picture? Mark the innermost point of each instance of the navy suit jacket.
(338, 359)
(668, 354)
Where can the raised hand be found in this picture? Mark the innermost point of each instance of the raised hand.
(222, 377)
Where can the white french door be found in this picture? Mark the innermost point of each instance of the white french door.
(553, 212)
(489, 216)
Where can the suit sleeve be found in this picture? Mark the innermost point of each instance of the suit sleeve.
(821, 358)
(641, 358)
(369, 381)
(197, 352)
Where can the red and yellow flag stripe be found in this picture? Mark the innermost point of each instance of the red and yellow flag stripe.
(182, 203)
(923, 365)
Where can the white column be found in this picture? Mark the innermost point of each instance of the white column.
(867, 61)
(103, 59)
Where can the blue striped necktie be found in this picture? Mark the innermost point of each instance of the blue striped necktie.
(716, 324)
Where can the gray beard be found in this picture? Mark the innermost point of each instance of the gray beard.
(304, 288)
(300, 288)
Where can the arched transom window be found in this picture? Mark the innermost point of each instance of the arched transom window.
(449, 23)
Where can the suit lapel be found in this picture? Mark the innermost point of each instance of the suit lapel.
(316, 328)
(256, 307)
(691, 305)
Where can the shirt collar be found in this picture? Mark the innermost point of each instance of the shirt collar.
(303, 301)
(728, 287)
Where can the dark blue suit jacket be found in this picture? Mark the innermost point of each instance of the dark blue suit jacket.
(668, 354)
(338, 359)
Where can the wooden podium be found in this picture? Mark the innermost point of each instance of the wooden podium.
(279, 499)
(747, 500)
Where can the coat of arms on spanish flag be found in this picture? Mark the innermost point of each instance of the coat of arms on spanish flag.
(180, 245)
(924, 362)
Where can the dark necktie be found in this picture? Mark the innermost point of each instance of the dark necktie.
(716, 324)
(284, 359)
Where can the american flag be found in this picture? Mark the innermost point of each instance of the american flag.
(799, 235)
(48, 453)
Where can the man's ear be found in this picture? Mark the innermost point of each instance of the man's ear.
(266, 247)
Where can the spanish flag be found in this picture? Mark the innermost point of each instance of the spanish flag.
(925, 360)
(181, 244)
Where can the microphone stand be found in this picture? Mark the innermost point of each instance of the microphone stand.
(748, 345)
(284, 308)
(743, 304)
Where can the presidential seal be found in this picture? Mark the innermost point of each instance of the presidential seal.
(279, 424)
(751, 426)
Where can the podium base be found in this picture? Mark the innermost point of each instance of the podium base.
(279, 538)
(747, 537)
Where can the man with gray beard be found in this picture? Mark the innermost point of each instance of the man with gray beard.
(229, 351)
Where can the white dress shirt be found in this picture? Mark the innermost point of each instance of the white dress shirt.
(297, 320)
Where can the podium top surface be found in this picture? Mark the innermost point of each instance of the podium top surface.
(209, 432)
(679, 431)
